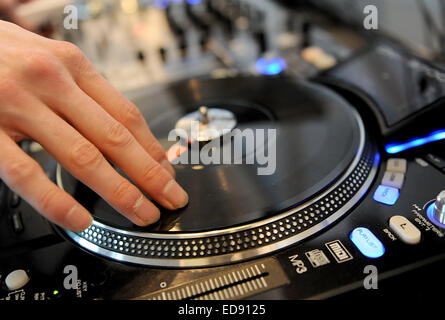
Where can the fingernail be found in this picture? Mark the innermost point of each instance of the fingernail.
(78, 219)
(174, 194)
(146, 211)
(167, 166)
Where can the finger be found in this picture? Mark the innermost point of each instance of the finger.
(120, 146)
(7, 5)
(87, 164)
(26, 178)
(95, 86)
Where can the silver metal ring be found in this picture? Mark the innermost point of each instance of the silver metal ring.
(122, 244)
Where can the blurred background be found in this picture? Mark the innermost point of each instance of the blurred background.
(140, 43)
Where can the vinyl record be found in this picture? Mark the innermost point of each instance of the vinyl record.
(317, 137)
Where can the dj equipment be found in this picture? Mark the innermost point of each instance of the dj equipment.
(356, 190)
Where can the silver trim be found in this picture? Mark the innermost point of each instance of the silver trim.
(231, 257)
(237, 256)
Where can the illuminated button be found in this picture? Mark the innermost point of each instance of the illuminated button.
(270, 67)
(392, 179)
(16, 279)
(396, 165)
(55, 294)
(367, 243)
(405, 230)
(386, 195)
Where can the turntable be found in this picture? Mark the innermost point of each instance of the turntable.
(324, 164)
(331, 203)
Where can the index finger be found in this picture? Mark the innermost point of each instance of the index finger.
(119, 107)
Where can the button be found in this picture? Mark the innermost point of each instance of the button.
(422, 162)
(435, 160)
(386, 195)
(439, 207)
(396, 165)
(367, 243)
(15, 200)
(16, 279)
(405, 230)
(395, 180)
(17, 223)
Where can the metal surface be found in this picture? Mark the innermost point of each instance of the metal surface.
(238, 282)
(205, 124)
(439, 207)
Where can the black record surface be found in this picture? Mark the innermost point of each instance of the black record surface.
(317, 137)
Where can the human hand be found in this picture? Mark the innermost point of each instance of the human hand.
(50, 93)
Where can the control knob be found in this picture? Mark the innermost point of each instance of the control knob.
(17, 279)
(439, 207)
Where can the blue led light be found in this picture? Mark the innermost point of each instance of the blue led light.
(193, 2)
(367, 243)
(430, 211)
(396, 148)
(430, 214)
(270, 67)
(386, 195)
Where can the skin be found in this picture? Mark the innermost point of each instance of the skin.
(51, 93)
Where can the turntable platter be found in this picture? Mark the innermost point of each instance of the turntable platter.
(320, 142)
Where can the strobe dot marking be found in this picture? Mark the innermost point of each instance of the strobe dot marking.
(231, 243)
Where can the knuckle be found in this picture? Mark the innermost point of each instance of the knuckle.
(156, 151)
(84, 154)
(118, 135)
(46, 201)
(40, 64)
(69, 49)
(125, 195)
(21, 171)
(152, 172)
(9, 88)
(74, 56)
(131, 115)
